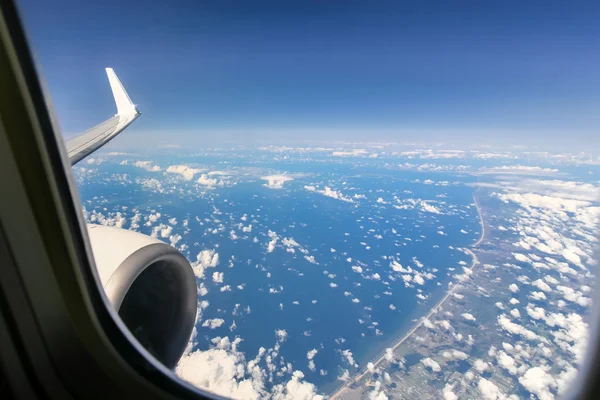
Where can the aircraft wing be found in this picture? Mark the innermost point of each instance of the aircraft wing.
(96, 137)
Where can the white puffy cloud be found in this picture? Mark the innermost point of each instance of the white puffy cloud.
(147, 165)
(389, 354)
(535, 312)
(507, 362)
(334, 194)
(209, 182)
(377, 393)
(480, 365)
(205, 259)
(574, 296)
(543, 286)
(572, 334)
(515, 329)
(276, 181)
(448, 393)
(468, 317)
(488, 390)
(281, 335)
(538, 382)
(183, 170)
(221, 371)
(213, 323)
(428, 362)
(344, 376)
(311, 259)
(539, 296)
(445, 324)
(295, 389)
(274, 239)
(455, 355)
(422, 205)
(347, 355)
(217, 277)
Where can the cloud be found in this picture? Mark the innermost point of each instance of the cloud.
(428, 362)
(429, 208)
(281, 335)
(573, 295)
(572, 334)
(213, 323)
(334, 194)
(276, 181)
(217, 277)
(488, 390)
(518, 170)
(453, 354)
(272, 242)
(185, 171)
(539, 296)
(151, 184)
(535, 312)
(209, 182)
(377, 393)
(347, 355)
(540, 284)
(163, 230)
(448, 393)
(205, 259)
(423, 205)
(147, 165)
(295, 389)
(352, 153)
(506, 362)
(468, 317)
(344, 376)
(538, 382)
(515, 329)
(311, 259)
(223, 370)
(480, 365)
(310, 355)
(533, 200)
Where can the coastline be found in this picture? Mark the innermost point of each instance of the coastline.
(399, 341)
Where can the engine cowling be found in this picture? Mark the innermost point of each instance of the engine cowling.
(151, 285)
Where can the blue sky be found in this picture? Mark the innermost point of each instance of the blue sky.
(283, 71)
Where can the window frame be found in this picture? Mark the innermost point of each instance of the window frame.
(60, 337)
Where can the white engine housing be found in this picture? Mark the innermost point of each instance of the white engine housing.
(151, 285)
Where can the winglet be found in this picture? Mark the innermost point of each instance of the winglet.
(124, 104)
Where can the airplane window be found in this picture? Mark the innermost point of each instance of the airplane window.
(338, 199)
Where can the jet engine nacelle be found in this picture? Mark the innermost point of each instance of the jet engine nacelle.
(151, 285)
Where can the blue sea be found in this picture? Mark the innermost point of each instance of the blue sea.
(322, 304)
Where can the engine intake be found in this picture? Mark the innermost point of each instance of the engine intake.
(151, 285)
